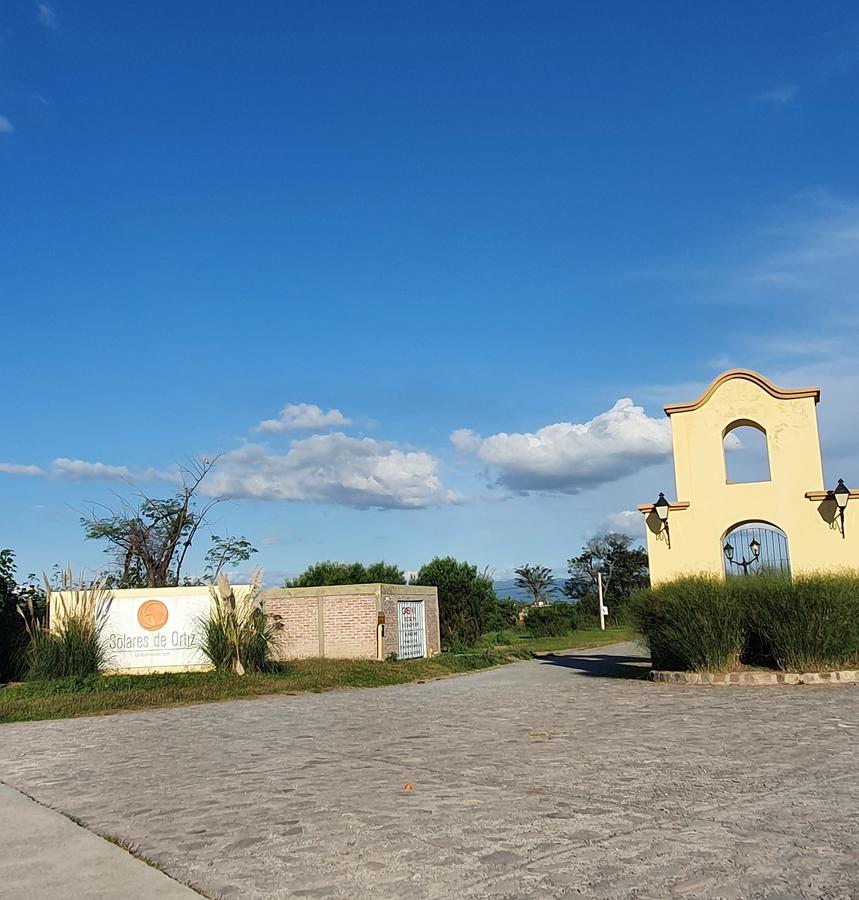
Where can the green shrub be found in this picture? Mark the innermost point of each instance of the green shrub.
(702, 623)
(552, 620)
(467, 605)
(73, 646)
(504, 614)
(808, 624)
(237, 636)
(693, 623)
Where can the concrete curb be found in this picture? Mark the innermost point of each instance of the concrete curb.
(49, 855)
(849, 676)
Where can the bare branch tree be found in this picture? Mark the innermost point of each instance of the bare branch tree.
(150, 539)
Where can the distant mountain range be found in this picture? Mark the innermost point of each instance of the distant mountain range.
(507, 588)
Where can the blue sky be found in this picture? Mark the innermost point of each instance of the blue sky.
(464, 232)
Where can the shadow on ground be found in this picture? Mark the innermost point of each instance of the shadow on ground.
(600, 665)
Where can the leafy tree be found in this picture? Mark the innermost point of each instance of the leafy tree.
(537, 581)
(149, 541)
(227, 551)
(623, 566)
(466, 599)
(330, 573)
(11, 624)
(13, 597)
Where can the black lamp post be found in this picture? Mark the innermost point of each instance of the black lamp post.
(745, 564)
(841, 495)
(661, 508)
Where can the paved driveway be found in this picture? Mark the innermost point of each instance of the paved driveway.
(540, 779)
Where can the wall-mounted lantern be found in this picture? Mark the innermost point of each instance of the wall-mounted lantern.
(841, 495)
(744, 564)
(661, 508)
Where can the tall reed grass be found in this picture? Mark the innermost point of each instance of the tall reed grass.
(704, 623)
(66, 639)
(237, 635)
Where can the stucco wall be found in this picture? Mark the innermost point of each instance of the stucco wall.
(342, 621)
(713, 507)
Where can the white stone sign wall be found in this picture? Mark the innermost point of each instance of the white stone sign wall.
(156, 629)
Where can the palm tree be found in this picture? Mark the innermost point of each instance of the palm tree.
(537, 580)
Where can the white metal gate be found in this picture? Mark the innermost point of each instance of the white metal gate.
(411, 635)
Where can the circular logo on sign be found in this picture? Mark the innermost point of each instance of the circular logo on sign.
(407, 611)
(152, 615)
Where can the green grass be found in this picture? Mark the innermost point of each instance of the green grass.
(575, 640)
(96, 695)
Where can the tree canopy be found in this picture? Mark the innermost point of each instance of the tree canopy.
(623, 566)
(330, 573)
(466, 599)
(537, 581)
(150, 539)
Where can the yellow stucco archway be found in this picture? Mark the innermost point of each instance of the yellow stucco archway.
(709, 506)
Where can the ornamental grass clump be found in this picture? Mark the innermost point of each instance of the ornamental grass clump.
(238, 636)
(693, 623)
(65, 641)
(807, 624)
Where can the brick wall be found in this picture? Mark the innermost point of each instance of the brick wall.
(350, 626)
(300, 619)
(348, 616)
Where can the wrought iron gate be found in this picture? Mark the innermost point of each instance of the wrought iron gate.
(411, 634)
(755, 547)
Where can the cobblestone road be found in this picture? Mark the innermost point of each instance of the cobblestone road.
(540, 779)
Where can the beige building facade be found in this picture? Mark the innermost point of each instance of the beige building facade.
(792, 515)
(356, 621)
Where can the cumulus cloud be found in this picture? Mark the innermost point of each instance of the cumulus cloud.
(627, 521)
(331, 468)
(14, 469)
(465, 440)
(6, 127)
(569, 458)
(304, 417)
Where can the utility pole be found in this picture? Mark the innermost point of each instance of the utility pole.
(603, 609)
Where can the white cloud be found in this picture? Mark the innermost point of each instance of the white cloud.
(81, 470)
(46, 15)
(304, 417)
(6, 127)
(569, 458)
(465, 440)
(14, 469)
(779, 95)
(331, 468)
(627, 521)
(63, 469)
